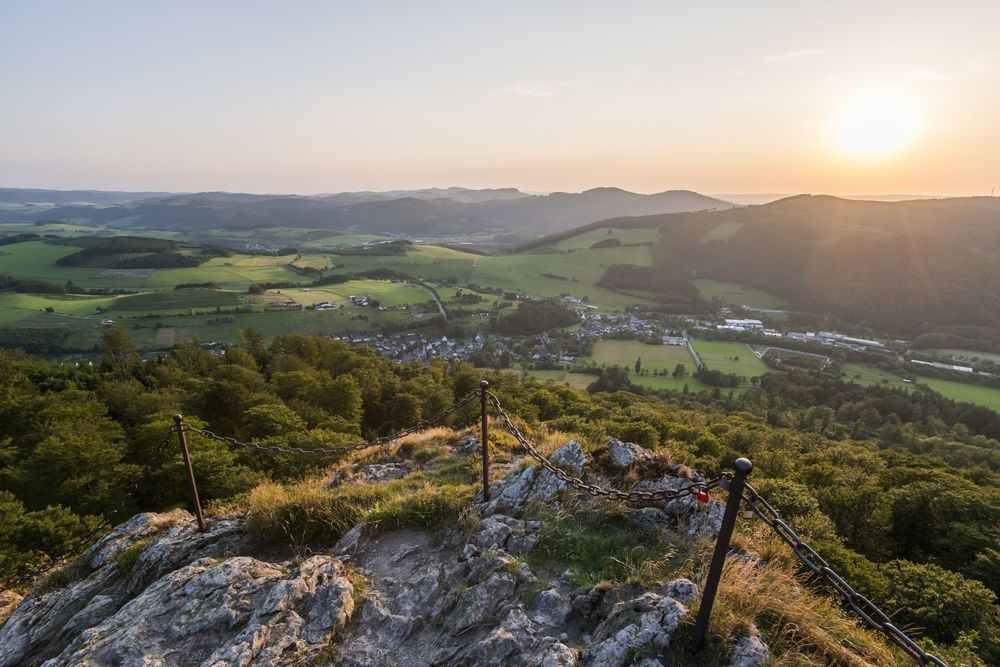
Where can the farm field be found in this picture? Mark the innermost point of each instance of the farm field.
(654, 357)
(738, 295)
(967, 355)
(575, 273)
(179, 301)
(988, 397)
(585, 240)
(729, 357)
(386, 292)
(61, 303)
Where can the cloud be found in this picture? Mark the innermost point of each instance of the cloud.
(793, 55)
(530, 90)
(925, 75)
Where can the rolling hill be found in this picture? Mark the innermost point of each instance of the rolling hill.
(901, 266)
(431, 212)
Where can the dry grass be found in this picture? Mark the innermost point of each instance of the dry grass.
(800, 626)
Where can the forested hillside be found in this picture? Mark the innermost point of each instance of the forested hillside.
(862, 473)
(903, 266)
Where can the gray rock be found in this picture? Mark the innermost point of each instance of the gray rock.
(749, 651)
(511, 494)
(705, 521)
(238, 611)
(625, 454)
(552, 610)
(554, 654)
(645, 623)
(650, 519)
(684, 591)
(47, 620)
(373, 472)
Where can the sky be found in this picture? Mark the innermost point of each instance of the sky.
(723, 97)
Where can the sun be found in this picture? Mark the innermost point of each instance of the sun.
(876, 125)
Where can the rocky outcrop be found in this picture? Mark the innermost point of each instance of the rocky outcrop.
(535, 484)
(626, 454)
(156, 591)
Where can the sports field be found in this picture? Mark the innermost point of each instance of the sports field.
(654, 357)
(729, 357)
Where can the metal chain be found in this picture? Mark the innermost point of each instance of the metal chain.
(339, 449)
(104, 523)
(594, 489)
(862, 606)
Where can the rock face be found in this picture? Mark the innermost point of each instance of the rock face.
(156, 591)
(533, 484)
(625, 454)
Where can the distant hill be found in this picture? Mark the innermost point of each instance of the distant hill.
(38, 196)
(902, 266)
(430, 212)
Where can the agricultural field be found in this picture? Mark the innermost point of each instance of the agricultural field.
(179, 301)
(988, 397)
(967, 356)
(727, 357)
(654, 357)
(573, 273)
(585, 240)
(738, 295)
(387, 293)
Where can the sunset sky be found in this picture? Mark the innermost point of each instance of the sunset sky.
(844, 98)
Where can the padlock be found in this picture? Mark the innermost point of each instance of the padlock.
(702, 496)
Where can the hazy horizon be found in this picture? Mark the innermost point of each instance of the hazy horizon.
(853, 99)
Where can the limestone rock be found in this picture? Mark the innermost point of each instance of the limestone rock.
(511, 494)
(625, 454)
(645, 623)
(749, 651)
(184, 597)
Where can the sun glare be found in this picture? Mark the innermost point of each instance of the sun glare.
(876, 125)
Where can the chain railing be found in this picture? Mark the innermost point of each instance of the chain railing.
(593, 489)
(739, 491)
(862, 606)
(334, 450)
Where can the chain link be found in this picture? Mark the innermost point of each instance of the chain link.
(862, 606)
(339, 449)
(594, 489)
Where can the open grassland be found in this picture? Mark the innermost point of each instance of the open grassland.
(727, 357)
(387, 293)
(738, 295)
(654, 357)
(539, 275)
(966, 355)
(586, 239)
(69, 304)
(987, 397)
(177, 301)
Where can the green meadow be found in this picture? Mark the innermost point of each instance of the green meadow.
(738, 295)
(729, 357)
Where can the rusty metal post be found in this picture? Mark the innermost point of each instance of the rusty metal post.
(192, 486)
(742, 467)
(484, 422)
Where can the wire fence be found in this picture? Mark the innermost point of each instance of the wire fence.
(739, 492)
(862, 606)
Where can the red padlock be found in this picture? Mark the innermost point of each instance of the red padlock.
(702, 496)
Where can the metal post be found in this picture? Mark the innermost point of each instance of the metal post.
(484, 422)
(743, 468)
(192, 486)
